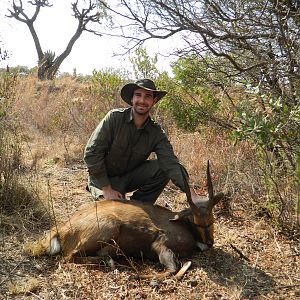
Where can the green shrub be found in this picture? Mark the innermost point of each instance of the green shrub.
(190, 101)
(271, 125)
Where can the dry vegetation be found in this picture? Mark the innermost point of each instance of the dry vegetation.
(250, 260)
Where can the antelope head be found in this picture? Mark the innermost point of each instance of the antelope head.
(200, 213)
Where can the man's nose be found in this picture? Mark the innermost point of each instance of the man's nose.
(143, 99)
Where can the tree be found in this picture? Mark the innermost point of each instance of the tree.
(48, 62)
(253, 47)
(259, 43)
(143, 65)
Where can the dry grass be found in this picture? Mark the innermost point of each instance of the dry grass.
(250, 260)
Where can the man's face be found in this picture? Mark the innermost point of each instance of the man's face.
(142, 101)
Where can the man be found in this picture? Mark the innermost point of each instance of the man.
(117, 152)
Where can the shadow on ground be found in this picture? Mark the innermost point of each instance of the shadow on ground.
(234, 273)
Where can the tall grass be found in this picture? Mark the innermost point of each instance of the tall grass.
(16, 199)
(58, 117)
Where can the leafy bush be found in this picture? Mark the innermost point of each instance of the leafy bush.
(190, 101)
(270, 124)
(274, 131)
(144, 66)
(105, 87)
(276, 128)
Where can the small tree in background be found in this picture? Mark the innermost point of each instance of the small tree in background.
(143, 65)
(48, 62)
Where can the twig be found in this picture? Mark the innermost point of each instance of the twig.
(288, 286)
(256, 260)
(277, 242)
(34, 295)
(239, 253)
(294, 255)
(10, 273)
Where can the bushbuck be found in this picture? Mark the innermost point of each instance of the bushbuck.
(110, 227)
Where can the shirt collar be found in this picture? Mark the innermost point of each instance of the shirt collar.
(145, 126)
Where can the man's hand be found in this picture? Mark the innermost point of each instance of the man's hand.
(110, 193)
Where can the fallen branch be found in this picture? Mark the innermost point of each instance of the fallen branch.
(239, 253)
(288, 286)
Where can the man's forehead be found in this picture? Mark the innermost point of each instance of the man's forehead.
(141, 90)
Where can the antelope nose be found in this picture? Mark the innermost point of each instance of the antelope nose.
(209, 243)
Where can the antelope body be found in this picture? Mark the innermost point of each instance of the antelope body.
(111, 227)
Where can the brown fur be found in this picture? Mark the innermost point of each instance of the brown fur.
(112, 227)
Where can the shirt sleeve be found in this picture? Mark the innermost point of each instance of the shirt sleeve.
(169, 163)
(97, 147)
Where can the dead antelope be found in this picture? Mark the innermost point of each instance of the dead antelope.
(136, 228)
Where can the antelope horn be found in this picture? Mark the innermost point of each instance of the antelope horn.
(192, 205)
(209, 185)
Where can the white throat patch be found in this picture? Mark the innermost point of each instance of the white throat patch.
(202, 246)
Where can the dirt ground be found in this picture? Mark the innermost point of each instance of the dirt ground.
(250, 260)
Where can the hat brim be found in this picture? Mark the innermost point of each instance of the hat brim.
(128, 89)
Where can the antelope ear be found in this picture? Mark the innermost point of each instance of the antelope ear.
(217, 198)
(182, 214)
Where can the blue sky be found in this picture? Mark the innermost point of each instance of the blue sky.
(55, 26)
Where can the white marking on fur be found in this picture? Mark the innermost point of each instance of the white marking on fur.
(202, 246)
(111, 263)
(54, 247)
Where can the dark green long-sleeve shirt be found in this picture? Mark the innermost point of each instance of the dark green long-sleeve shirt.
(117, 147)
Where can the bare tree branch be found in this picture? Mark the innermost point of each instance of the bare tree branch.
(48, 64)
(260, 39)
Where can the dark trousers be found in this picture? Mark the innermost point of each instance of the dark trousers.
(147, 181)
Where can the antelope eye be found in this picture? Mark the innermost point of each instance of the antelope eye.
(204, 225)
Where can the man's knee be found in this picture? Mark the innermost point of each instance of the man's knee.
(154, 170)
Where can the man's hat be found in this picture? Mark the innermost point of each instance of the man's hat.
(147, 84)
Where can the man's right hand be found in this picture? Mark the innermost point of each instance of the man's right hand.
(110, 193)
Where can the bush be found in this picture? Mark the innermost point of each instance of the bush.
(271, 125)
(15, 198)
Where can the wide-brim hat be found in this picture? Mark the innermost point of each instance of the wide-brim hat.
(147, 84)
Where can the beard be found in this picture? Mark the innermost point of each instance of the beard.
(141, 110)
